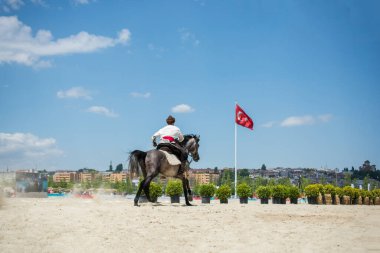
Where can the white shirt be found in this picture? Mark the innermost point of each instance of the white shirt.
(169, 130)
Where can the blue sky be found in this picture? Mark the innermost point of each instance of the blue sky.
(84, 82)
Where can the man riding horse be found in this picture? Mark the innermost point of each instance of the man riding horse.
(171, 137)
(154, 162)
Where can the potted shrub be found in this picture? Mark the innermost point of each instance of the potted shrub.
(365, 198)
(321, 195)
(348, 192)
(223, 193)
(294, 194)
(361, 196)
(338, 195)
(155, 191)
(264, 193)
(376, 194)
(329, 196)
(312, 193)
(356, 198)
(244, 191)
(207, 191)
(174, 190)
(371, 197)
(279, 194)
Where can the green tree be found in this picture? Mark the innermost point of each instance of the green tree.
(243, 173)
(51, 183)
(263, 167)
(304, 182)
(272, 182)
(227, 176)
(259, 181)
(97, 183)
(284, 181)
(87, 185)
(129, 187)
(365, 182)
(119, 168)
(347, 179)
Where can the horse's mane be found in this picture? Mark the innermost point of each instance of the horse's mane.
(187, 137)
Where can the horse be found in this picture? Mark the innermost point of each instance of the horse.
(154, 162)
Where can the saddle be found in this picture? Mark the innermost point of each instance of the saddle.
(171, 149)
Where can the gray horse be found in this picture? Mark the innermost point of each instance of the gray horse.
(154, 162)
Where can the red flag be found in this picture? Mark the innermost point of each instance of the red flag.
(242, 118)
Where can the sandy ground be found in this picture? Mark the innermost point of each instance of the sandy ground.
(113, 224)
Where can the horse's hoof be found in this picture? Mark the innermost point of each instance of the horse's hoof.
(136, 204)
(188, 204)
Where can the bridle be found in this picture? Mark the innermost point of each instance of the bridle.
(190, 153)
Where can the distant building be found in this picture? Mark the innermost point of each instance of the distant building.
(367, 167)
(205, 176)
(85, 177)
(114, 177)
(65, 176)
(118, 177)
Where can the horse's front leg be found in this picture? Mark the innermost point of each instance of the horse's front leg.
(185, 191)
(189, 190)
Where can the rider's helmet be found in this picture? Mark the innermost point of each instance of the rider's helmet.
(170, 120)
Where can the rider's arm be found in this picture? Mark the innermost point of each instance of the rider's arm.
(180, 136)
(156, 134)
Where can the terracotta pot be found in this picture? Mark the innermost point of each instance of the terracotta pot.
(336, 200)
(327, 200)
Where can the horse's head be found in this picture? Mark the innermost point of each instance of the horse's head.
(192, 145)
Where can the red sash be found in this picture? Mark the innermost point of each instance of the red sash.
(169, 138)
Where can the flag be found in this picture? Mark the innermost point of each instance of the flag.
(242, 118)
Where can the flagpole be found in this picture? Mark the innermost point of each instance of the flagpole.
(235, 153)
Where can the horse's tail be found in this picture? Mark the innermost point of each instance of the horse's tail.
(136, 161)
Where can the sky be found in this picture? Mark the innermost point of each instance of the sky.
(84, 82)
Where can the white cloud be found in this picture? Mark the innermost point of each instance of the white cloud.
(140, 95)
(102, 111)
(325, 117)
(9, 5)
(157, 50)
(188, 37)
(26, 145)
(182, 108)
(305, 120)
(18, 45)
(82, 1)
(39, 2)
(298, 121)
(269, 124)
(74, 92)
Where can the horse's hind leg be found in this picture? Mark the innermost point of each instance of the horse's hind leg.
(148, 179)
(139, 192)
